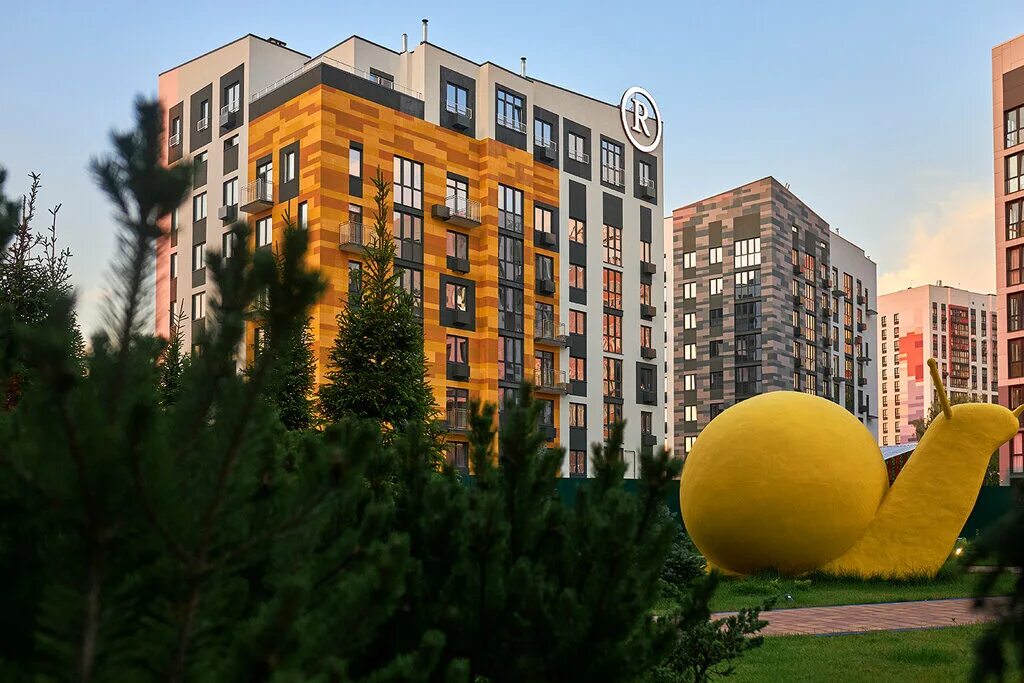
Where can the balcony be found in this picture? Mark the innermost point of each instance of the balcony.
(202, 124)
(550, 381)
(838, 291)
(229, 115)
(796, 269)
(457, 420)
(512, 123)
(174, 140)
(647, 353)
(579, 157)
(824, 341)
(861, 300)
(547, 430)
(458, 210)
(548, 240)
(613, 175)
(647, 268)
(797, 301)
(547, 148)
(353, 237)
(549, 332)
(862, 326)
(648, 440)
(798, 333)
(861, 381)
(462, 116)
(257, 196)
(647, 311)
(648, 188)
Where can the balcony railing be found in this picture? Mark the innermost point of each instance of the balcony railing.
(228, 112)
(257, 195)
(612, 174)
(512, 123)
(457, 419)
(353, 236)
(551, 381)
(648, 186)
(460, 109)
(202, 124)
(463, 208)
(548, 331)
(546, 143)
(174, 140)
(581, 157)
(327, 61)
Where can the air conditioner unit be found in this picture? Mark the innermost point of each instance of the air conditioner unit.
(228, 213)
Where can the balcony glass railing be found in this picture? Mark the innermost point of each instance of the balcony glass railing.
(202, 124)
(612, 174)
(460, 109)
(353, 233)
(581, 157)
(342, 66)
(544, 328)
(512, 122)
(463, 207)
(260, 190)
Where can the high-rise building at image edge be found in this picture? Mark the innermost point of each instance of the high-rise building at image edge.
(955, 327)
(523, 216)
(1008, 176)
(765, 297)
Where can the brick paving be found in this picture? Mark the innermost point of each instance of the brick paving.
(885, 616)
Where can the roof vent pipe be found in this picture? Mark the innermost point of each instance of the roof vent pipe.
(424, 30)
(522, 67)
(405, 42)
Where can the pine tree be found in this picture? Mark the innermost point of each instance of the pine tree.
(173, 361)
(377, 367)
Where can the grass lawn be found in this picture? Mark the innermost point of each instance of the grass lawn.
(928, 655)
(811, 591)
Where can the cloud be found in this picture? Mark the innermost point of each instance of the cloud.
(953, 240)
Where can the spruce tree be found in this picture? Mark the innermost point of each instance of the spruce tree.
(377, 368)
(173, 361)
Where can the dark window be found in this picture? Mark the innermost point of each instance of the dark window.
(578, 463)
(577, 322)
(612, 288)
(577, 276)
(578, 149)
(1015, 350)
(455, 296)
(510, 309)
(748, 380)
(510, 359)
(613, 377)
(1015, 312)
(611, 239)
(612, 415)
(355, 281)
(748, 348)
(510, 258)
(411, 281)
(510, 208)
(457, 100)
(1013, 210)
(1014, 268)
(646, 379)
(510, 111)
(458, 455)
(716, 348)
(1013, 123)
(545, 266)
(748, 316)
(408, 183)
(716, 381)
(612, 333)
(408, 236)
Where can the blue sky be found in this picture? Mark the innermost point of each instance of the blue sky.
(877, 114)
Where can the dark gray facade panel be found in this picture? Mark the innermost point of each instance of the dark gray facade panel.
(236, 74)
(288, 190)
(200, 138)
(612, 209)
(230, 158)
(452, 120)
(646, 220)
(448, 317)
(504, 133)
(577, 201)
(572, 166)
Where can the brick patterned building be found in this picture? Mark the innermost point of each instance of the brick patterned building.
(523, 215)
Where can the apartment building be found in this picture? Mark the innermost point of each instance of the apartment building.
(1008, 174)
(766, 298)
(954, 326)
(523, 217)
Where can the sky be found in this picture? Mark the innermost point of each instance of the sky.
(878, 115)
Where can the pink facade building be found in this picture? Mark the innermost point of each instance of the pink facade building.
(956, 327)
(1008, 173)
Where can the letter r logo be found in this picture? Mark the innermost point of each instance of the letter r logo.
(640, 117)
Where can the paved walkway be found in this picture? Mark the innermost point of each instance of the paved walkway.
(886, 616)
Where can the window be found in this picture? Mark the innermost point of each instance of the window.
(577, 231)
(577, 415)
(541, 133)
(747, 253)
(355, 282)
(408, 185)
(715, 318)
(613, 377)
(382, 79)
(233, 96)
(457, 245)
(716, 381)
(510, 308)
(199, 306)
(1013, 123)
(355, 162)
(259, 340)
(646, 292)
(612, 288)
(714, 255)
(748, 380)
(457, 99)
(458, 455)
(578, 149)
(1015, 312)
(612, 336)
(611, 163)
(204, 115)
(199, 256)
(263, 232)
(577, 322)
(1015, 352)
(510, 208)
(510, 359)
(747, 284)
(454, 296)
(510, 111)
(227, 245)
(408, 236)
(748, 348)
(689, 352)
(646, 336)
(689, 413)
(265, 173)
(645, 251)
(175, 139)
(1014, 268)
(303, 217)
(689, 321)
(715, 285)
(543, 219)
(611, 239)
(457, 195)
(644, 175)
(174, 265)
(689, 290)
(199, 207)
(690, 259)
(577, 369)
(715, 348)
(577, 276)
(411, 282)
(689, 383)
(288, 172)
(544, 267)
(231, 192)
(577, 463)
(510, 258)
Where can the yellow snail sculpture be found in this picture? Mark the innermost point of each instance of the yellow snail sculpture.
(791, 482)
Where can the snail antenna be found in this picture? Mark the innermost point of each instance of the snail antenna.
(933, 367)
(1017, 411)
